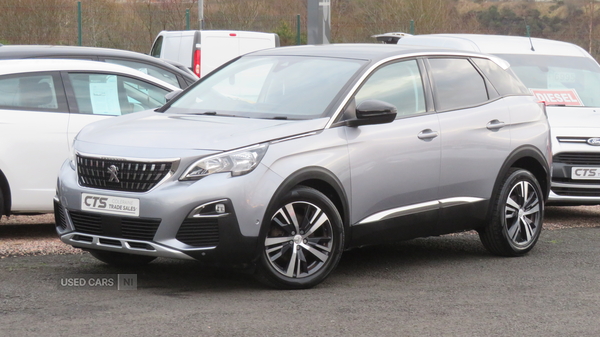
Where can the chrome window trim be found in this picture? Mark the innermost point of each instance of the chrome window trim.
(339, 109)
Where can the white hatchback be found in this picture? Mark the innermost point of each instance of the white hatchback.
(567, 79)
(43, 105)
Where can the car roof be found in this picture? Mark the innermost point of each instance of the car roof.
(40, 51)
(370, 51)
(8, 67)
(497, 44)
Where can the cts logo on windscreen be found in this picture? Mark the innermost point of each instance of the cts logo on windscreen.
(110, 205)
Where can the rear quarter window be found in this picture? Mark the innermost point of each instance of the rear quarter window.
(505, 82)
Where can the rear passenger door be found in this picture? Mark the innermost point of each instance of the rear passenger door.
(475, 126)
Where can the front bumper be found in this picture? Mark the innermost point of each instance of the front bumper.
(169, 222)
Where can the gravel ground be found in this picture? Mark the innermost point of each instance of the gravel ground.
(22, 235)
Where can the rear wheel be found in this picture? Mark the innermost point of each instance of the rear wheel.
(121, 259)
(303, 241)
(517, 216)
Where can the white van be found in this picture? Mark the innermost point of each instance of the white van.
(567, 79)
(205, 50)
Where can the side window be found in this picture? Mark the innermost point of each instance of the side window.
(399, 84)
(156, 47)
(31, 92)
(457, 84)
(505, 82)
(148, 69)
(109, 94)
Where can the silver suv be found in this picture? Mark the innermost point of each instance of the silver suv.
(283, 158)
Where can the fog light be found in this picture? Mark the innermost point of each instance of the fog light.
(220, 208)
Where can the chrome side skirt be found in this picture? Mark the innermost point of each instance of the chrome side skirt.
(418, 208)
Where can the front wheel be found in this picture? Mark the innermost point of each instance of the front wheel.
(303, 241)
(517, 215)
(121, 259)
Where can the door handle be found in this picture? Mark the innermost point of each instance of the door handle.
(427, 134)
(495, 125)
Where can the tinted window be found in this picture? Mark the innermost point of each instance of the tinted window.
(148, 69)
(156, 48)
(457, 84)
(504, 81)
(31, 91)
(399, 84)
(108, 94)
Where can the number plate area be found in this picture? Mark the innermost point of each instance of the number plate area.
(585, 173)
(110, 205)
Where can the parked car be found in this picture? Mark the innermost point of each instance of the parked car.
(43, 105)
(167, 71)
(285, 157)
(567, 79)
(203, 51)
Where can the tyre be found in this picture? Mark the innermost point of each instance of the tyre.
(517, 215)
(121, 259)
(1, 203)
(303, 240)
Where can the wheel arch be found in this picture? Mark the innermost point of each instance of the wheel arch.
(530, 159)
(6, 200)
(321, 180)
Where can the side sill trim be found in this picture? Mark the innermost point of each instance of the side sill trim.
(418, 208)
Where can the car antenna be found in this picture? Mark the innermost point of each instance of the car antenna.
(529, 36)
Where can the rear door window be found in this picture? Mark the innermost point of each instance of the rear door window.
(32, 91)
(457, 84)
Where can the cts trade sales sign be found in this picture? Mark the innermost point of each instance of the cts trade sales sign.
(558, 96)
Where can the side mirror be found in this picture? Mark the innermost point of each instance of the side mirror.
(172, 94)
(373, 112)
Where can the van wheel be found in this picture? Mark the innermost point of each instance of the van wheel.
(1, 203)
(517, 215)
(121, 259)
(303, 240)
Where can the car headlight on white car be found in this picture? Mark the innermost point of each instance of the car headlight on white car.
(238, 162)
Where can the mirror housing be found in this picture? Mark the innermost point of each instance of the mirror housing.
(172, 94)
(373, 112)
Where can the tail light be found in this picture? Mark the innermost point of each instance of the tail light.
(196, 64)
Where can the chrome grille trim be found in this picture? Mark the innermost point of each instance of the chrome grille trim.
(131, 175)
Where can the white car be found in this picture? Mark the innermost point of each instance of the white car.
(567, 79)
(43, 105)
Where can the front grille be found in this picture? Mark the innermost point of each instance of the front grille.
(59, 216)
(576, 192)
(199, 232)
(578, 158)
(113, 226)
(120, 175)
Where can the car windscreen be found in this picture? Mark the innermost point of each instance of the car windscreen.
(277, 87)
(559, 80)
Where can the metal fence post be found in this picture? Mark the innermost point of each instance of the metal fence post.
(412, 27)
(298, 29)
(187, 19)
(79, 23)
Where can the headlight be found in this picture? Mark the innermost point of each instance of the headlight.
(237, 162)
(73, 158)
